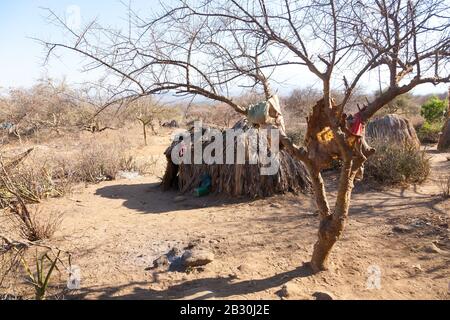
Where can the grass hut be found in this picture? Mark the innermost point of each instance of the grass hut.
(236, 179)
(393, 129)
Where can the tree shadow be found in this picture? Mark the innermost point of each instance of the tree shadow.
(150, 199)
(208, 288)
(390, 202)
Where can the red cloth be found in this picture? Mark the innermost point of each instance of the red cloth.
(183, 150)
(357, 126)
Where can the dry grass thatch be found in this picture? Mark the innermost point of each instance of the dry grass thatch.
(393, 129)
(237, 180)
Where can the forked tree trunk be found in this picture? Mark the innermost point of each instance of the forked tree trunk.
(332, 225)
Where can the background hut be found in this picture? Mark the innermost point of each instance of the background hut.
(393, 129)
(237, 180)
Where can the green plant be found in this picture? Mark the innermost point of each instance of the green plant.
(40, 279)
(434, 110)
(429, 132)
(393, 164)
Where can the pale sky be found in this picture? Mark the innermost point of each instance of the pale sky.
(21, 58)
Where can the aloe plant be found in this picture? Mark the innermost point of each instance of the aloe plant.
(41, 278)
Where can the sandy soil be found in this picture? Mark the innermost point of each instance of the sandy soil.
(116, 229)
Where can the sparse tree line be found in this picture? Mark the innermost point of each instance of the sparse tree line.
(50, 108)
(53, 109)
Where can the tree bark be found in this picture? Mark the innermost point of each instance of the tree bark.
(144, 127)
(332, 225)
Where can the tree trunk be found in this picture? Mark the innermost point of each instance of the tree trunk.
(332, 225)
(144, 126)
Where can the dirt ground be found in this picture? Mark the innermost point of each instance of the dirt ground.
(116, 230)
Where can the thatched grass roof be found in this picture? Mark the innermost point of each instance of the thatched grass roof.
(237, 180)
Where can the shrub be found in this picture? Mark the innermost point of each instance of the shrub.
(102, 162)
(297, 135)
(430, 132)
(394, 164)
(33, 182)
(444, 185)
(34, 225)
(434, 110)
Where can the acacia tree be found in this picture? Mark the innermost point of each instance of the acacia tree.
(209, 49)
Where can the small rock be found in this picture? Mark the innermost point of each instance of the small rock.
(244, 269)
(323, 296)
(417, 267)
(284, 292)
(402, 229)
(174, 252)
(292, 290)
(161, 262)
(197, 258)
(180, 199)
(276, 206)
(432, 248)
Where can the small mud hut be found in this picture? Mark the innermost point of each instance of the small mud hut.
(235, 179)
(393, 129)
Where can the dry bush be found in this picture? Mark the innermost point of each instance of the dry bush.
(297, 134)
(102, 162)
(444, 185)
(220, 115)
(32, 180)
(33, 224)
(397, 164)
(35, 182)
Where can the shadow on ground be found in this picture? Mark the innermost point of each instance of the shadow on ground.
(150, 199)
(209, 288)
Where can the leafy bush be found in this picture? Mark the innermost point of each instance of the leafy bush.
(434, 110)
(429, 132)
(394, 164)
